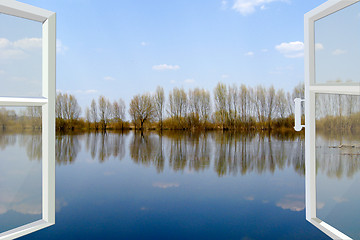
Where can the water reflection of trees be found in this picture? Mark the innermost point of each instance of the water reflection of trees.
(231, 153)
(338, 155)
(147, 150)
(338, 139)
(228, 153)
(244, 153)
(188, 151)
(33, 145)
(67, 148)
(6, 140)
(104, 145)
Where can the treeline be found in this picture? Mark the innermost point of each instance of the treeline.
(101, 115)
(228, 107)
(28, 118)
(338, 113)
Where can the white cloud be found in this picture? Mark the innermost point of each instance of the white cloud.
(4, 43)
(338, 52)
(224, 76)
(295, 203)
(189, 80)
(165, 185)
(163, 67)
(247, 7)
(224, 4)
(109, 78)
(28, 43)
(12, 54)
(319, 46)
(291, 49)
(249, 54)
(144, 44)
(90, 91)
(60, 47)
(17, 49)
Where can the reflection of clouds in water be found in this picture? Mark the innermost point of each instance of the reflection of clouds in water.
(340, 199)
(20, 188)
(249, 198)
(144, 209)
(60, 203)
(246, 238)
(320, 205)
(109, 173)
(18, 204)
(165, 185)
(294, 203)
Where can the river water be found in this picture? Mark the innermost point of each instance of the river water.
(173, 185)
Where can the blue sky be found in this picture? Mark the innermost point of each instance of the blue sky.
(122, 48)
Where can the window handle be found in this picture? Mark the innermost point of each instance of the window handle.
(298, 125)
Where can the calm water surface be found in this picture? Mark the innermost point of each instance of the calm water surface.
(174, 186)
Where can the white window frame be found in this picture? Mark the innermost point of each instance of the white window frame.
(47, 102)
(311, 89)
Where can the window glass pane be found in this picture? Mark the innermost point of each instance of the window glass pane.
(20, 57)
(337, 47)
(20, 166)
(338, 161)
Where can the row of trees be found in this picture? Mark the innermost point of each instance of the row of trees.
(103, 113)
(336, 112)
(232, 107)
(28, 118)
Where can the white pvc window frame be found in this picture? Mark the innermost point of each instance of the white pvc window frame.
(311, 89)
(47, 102)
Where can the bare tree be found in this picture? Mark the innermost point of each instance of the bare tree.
(221, 99)
(88, 116)
(94, 113)
(104, 111)
(205, 106)
(281, 104)
(260, 103)
(178, 104)
(141, 109)
(194, 106)
(118, 112)
(67, 110)
(59, 106)
(244, 103)
(34, 114)
(270, 104)
(159, 104)
(74, 108)
(232, 102)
